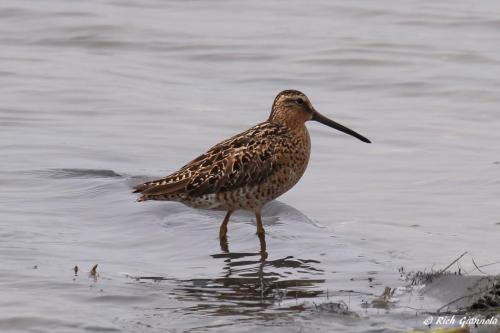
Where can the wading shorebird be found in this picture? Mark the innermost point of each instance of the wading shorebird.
(249, 169)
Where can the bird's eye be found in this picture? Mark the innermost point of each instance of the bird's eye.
(300, 101)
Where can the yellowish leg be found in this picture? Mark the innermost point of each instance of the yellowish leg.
(224, 245)
(260, 228)
(263, 251)
(223, 226)
(261, 233)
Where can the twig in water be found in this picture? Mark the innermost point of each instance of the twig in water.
(477, 267)
(451, 264)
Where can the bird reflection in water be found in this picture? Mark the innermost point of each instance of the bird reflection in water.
(251, 282)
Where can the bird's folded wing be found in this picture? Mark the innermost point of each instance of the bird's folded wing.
(228, 170)
(239, 167)
(244, 160)
(162, 186)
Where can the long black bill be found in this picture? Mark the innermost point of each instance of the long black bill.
(328, 122)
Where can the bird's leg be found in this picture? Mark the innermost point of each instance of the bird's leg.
(261, 233)
(224, 245)
(223, 228)
(260, 228)
(263, 250)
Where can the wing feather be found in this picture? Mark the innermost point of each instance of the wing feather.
(167, 188)
(243, 160)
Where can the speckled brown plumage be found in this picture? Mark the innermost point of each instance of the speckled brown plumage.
(249, 169)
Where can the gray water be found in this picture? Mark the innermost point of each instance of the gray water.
(97, 96)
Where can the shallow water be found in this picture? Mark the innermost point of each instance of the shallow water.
(98, 96)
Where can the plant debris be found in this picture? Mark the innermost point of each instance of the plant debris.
(93, 273)
(339, 308)
(384, 300)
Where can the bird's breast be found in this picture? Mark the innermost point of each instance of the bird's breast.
(292, 160)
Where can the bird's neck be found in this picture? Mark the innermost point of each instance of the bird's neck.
(295, 124)
(297, 128)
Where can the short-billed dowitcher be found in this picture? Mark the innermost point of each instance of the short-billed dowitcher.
(249, 169)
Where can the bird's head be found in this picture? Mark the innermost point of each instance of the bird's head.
(292, 108)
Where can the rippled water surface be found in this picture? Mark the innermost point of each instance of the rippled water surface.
(97, 96)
